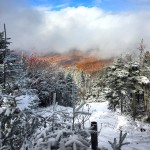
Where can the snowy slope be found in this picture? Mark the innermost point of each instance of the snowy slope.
(109, 123)
(112, 122)
(24, 101)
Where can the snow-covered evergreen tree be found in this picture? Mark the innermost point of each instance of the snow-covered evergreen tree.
(126, 86)
(15, 125)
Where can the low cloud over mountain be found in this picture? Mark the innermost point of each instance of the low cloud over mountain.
(44, 29)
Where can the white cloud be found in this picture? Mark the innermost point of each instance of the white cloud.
(45, 30)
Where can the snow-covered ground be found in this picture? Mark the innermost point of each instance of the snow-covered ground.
(24, 101)
(110, 123)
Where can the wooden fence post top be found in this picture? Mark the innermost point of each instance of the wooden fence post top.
(94, 136)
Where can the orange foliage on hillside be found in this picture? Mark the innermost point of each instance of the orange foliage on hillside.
(82, 61)
(92, 65)
(35, 62)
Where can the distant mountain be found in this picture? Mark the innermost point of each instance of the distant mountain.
(82, 60)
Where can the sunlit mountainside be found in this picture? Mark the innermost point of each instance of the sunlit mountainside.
(82, 60)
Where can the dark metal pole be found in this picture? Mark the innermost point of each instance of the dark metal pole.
(94, 136)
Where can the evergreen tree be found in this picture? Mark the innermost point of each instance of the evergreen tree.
(126, 84)
(69, 89)
(10, 69)
(15, 125)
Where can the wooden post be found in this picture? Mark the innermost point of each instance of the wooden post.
(54, 99)
(73, 119)
(1, 138)
(94, 136)
(134, 105)
(121, 103)
(148, 104)
(54, 103)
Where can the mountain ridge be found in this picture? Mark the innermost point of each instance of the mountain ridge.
(83, 61)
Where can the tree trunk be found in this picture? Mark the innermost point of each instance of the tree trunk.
(145, 98)
(134, 105)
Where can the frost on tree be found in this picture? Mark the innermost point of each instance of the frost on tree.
(128, 87)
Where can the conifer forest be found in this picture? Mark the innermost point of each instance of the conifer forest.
(47, 103)
(74, 74)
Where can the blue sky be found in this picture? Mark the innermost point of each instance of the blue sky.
(109, 26)
(108, 5)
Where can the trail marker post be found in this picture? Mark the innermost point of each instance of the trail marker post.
(94, 136)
